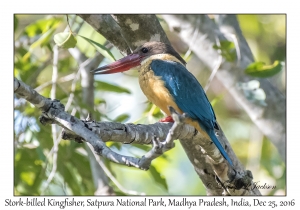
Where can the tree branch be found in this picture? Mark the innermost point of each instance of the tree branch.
(233, 181)
(127, 32)
(138, 29)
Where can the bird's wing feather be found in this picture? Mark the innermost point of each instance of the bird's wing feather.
(186, 91)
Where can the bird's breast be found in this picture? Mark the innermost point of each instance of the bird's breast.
(154, 88)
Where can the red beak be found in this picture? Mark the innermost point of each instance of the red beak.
(121, 65)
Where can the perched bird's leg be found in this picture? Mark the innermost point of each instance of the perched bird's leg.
(167, 119)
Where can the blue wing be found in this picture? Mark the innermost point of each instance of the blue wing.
(186, 91)
(189, 96)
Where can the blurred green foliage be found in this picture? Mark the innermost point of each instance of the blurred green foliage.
(104, 86)
(227, 49)
(266, 36)
(114, 95)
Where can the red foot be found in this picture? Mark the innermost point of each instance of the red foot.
(167, 119)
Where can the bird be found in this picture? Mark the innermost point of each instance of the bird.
(166, 82)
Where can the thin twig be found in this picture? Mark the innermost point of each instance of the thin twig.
(60, 80)
(73, 86)
(54, 126)
(216, 67)
(195, 34)
(54, 72)
(236, 44)
(69, 24)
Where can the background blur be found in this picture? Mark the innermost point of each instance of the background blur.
(119, 98)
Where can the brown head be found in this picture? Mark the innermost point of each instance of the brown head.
(137, 56)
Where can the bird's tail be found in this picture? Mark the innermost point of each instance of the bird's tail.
(213, 137)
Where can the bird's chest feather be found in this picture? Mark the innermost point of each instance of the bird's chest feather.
(155, 90)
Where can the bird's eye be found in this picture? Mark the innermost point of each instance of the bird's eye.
(144, 50)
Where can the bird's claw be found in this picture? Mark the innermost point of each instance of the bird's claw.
(167, 119)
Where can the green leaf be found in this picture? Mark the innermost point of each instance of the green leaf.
(104, 86)
(227, 50)
(41, 26)
(225, 45)
(101, 49)
(65, 40)
(259, 69)
(158, 178)
(122, 118)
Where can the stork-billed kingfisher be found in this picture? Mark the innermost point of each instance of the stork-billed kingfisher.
(166, 82)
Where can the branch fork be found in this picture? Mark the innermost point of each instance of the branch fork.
(161, 147)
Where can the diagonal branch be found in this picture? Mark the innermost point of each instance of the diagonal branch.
(270, 119)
